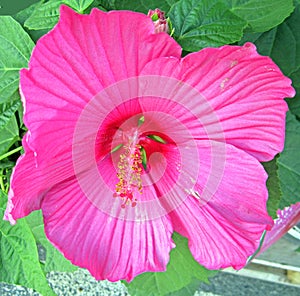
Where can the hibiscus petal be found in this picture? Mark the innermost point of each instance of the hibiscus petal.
(244, 89)
(30, 180)
(77, 59)
(225, 229)
(68, 67)
(30, 191)
(110, 248)
(286, 219)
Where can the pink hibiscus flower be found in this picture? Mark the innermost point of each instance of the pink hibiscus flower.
(286, 219)
(128, 142)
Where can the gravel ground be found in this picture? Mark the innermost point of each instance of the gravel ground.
(80, 283)
(225, 284)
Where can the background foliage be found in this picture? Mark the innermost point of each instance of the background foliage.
(274, 26)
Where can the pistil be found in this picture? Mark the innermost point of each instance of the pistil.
(129, 173)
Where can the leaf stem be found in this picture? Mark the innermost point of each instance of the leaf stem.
(259, 247)
(9, 153)
(2, 184)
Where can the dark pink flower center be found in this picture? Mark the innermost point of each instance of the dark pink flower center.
(133, 162)
(131, 148)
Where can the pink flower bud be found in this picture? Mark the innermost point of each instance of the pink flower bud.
(159, 20)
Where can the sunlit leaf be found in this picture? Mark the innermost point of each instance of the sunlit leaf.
(55, 261)
(207, 23)
(182, 270)
(15, 51)
(262, 15)
(19, 262)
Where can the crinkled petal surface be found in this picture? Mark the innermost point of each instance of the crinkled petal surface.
(110, 248)
(82, 55)
(68, 67)
(244, 89)
(237, 96)
(225, 229)
(286, 219)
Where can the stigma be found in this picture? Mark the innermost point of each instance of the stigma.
(129, 174)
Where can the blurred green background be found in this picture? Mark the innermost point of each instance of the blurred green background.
(9, 7)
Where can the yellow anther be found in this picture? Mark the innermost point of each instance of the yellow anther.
(129, 174)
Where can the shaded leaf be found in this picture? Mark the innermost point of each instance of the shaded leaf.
(44, 16)
(206, 23)
(294, 103)
(181, 271)
(6, 164)
(15, 51)
(9, 7)
(19, 262)
(289, 163)
(142, 5)
(7, 110)
(9, 134)
(273, 185)
(23, 15)
(262, 15)
(282, 44)
(104, 4)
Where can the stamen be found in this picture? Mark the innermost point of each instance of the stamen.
(129, 174)
(157, 139)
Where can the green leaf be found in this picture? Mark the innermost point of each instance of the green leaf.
(6, 164)
(10, 7)
(7, 110)
(79, 5)
(294, 103)
(5, 173)
(207, 23)
(181, 271)
(19, 263)
(55, 261)
(189, 289)
(282, 44)
(289, 163)
(262, 15)
(15, 51)
(143, 5)
(9, 134)
(45, 16)
(23, 15)
(102, 4)
(273, 185)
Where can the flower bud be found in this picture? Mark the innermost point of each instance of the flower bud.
(159, 20)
